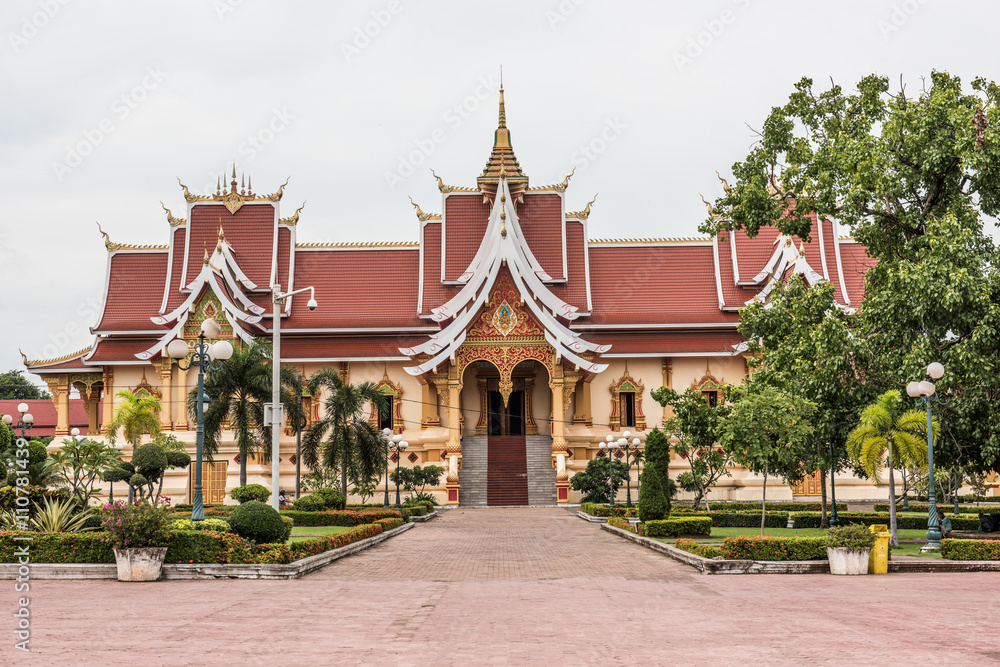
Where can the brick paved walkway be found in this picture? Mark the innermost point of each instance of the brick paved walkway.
(513, 587)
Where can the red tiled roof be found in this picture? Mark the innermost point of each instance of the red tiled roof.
(855, 260)
(654, 284)
(435, 294)
(134, 291)
(174, 295)
(541, 221)
(44, 412)
(250, 232)
(574, 291)
(667, 343)
(346, 347)
(465, 221)
(362, 288)
(119, 349)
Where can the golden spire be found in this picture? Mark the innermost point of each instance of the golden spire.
(503, 112)
(206, 255)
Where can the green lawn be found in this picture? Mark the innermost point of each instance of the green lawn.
(302, 533)
(914, 550)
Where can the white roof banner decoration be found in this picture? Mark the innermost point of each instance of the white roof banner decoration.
(785, 260)
(504, 244)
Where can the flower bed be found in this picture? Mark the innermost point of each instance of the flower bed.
(774, 548)
(621, 522)
(703, 550)
(390, 523)
(970, 549)
(328, 542)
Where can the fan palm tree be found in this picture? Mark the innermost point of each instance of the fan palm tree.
(135, 416)
(889, 436)
(238, 391)
(353, 443)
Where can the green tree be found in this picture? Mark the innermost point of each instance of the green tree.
(657, 453)
(653, 503)
(697, 427)
(593, 481)
(889, 436)
(81, 462)
(15, 387)
(414, 480)
(238, 392)
(915, 178)
(352, 441)
(801, 340)
(147, 469)
(769, 431)
(134, 416)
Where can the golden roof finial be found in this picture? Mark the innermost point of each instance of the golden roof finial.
(222, 237)
(725, 183)
(26, 363)
(503, 112)
(107, 239)
(711, 210)
(218, 185)
(234, 169)
(206, 255)
(249, 186)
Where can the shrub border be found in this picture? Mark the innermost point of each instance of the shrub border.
(292, 570)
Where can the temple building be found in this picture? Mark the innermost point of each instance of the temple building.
(508, 342)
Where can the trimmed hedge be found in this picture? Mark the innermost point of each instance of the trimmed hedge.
(328, 542)
(342, 517)
(947, 507)
(623, 523)
(259, 522)
(740, 506)
(774, 548)
(970, 549)
(703, 550)
(390, 523)
(595, 509)
(695, 525)
(749, 519)
(218, 525)
(183, 546)
(918, 522)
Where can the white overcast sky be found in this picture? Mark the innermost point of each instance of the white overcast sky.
(105, 103)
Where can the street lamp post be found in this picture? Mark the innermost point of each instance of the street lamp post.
(393, 444)
(834, 519)
(24, 423)
(628, 448)
(205, 356)
(925, 393)
(399, 447)
(609, 447)
(273, 413)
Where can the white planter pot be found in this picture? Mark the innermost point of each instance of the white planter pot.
(848, 561)
(141, 564)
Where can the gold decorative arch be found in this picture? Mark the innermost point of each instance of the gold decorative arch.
(626, 383)
(387, 387)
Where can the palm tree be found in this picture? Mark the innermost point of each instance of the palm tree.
(238, 391)
(134, 415)
(354, 443)
(888, 436)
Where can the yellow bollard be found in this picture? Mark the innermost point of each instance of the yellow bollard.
(878, 560)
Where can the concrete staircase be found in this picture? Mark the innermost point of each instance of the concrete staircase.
(541, 474)
(473, 473)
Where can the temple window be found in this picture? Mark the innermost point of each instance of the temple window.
(626, 403)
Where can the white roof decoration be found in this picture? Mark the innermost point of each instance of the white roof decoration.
(503, 243)
(219, 272)
(785, 257)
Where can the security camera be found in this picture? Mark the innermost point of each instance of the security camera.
(312, 304)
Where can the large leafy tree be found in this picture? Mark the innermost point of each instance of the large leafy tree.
(14, 386)
(697, 426)
(594, 481)
(81, 463)
(889, 436)
(770, 432)
(914, 174)
(801, 340)
(135, 415)
(344, 436)
(238, 391)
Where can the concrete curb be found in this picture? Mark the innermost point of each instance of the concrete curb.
(292, 570)
(591, 518)
(426, 517)
(712, 566)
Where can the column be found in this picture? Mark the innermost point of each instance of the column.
(668, 379)
(583, 414)
(90, 396)
(109, 398)
(454, 446)
(429, 405)
(559, 444)
(165, 373)
(180, 420)
(59, 388)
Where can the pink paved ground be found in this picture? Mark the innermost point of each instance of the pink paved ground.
(514, 587)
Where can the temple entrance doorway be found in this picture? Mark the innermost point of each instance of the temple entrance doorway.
(505, 419)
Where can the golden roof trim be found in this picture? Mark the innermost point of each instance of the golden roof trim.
(233, 199)
(846, 237)
(57, 360)
(650, 241)
(585, 213)
(171, 220)
(421, 216)
(361, 244)
(558, 187)
(293, 219)
(451, 188)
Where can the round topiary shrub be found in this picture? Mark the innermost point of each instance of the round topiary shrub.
(258, 522)
(320, 500)
(309, 503)
(242, 494)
